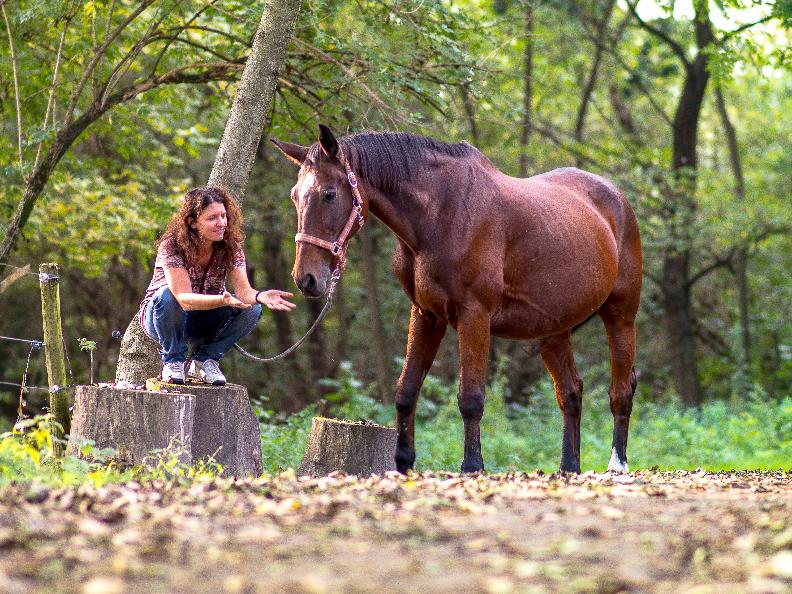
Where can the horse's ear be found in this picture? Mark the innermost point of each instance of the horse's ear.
(328, 142)
(294, 152)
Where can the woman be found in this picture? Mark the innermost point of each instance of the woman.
(186, 303)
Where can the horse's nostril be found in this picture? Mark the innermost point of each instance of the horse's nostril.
(309, 283)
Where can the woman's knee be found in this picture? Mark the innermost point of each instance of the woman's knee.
(164, 299)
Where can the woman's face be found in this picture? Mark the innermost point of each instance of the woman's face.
(212, 222)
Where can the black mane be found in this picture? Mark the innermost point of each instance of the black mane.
(386, 158)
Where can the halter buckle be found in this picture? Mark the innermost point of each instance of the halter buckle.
(336, 248)
(352, 178)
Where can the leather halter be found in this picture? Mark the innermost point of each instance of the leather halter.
(339, 247)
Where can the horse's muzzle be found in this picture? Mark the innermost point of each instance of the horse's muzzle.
(309, 286)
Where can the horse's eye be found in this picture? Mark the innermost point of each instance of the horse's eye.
(329, 195)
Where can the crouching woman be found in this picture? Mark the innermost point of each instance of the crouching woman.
(187, 305)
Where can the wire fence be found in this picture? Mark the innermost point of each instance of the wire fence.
(18, 272)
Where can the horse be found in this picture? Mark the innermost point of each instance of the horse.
(482, 252)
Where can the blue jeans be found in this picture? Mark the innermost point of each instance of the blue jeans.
(210, 332)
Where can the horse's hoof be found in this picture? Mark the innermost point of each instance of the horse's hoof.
(571, 469)
(616, 465)
(404, 461)
(470, 467)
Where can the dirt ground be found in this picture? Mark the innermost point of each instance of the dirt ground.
(434, 532)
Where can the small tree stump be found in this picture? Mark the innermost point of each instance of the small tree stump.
(196, 420)
(352, 447)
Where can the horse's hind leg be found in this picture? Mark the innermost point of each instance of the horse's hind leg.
(619, 321)
(424, 338)
(560, 363)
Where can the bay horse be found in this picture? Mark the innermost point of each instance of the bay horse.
(482, 252)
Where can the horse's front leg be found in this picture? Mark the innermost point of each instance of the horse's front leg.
(473, 329)
(426, 333)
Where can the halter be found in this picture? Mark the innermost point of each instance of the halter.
(339, 247)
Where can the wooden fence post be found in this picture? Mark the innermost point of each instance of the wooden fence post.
(54, 354)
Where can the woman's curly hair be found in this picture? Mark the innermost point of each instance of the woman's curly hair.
(187, 240)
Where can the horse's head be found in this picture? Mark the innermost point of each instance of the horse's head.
(324, 201)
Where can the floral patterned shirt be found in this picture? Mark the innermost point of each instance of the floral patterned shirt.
(205, 281)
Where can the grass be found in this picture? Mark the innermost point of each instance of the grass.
(754, 434)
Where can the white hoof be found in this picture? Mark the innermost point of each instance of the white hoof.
(616, 465)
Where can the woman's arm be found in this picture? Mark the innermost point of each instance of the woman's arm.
(179, 284)
(273, 299)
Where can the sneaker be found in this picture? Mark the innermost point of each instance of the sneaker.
(173, 372)
(209, 372)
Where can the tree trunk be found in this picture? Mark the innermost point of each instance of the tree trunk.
(527, 125)
(254, 97)
(376, 327)
(470, 112)
(681, 197)
(741, 267)
(680, 328)
(588, 89)
(243, 130)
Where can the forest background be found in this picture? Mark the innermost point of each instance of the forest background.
(685, 106)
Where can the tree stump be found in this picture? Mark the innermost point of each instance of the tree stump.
(353, 447)
(196, 421)
(133, 422)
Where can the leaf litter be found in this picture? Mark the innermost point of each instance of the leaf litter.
(648, 531)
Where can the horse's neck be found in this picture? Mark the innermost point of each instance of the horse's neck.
(397, 212)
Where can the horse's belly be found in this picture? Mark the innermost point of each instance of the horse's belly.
(544, 300)
(535, 318)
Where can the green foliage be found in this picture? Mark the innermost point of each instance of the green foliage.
(26, 456)
(755, 433)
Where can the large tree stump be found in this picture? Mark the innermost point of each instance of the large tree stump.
(133, 422)
(225, 429)
(197, 421)
(357, 448)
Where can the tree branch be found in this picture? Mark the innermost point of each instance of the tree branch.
(727, 261)
(97, 57)
(16, 89)
(53, 86)
(673, 44)
(741, 28)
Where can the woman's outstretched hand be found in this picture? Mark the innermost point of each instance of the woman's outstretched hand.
(276, 300)
(231, 301)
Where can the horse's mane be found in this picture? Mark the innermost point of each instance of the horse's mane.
(386, 158)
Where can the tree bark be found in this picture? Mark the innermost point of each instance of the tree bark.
(741, 259)
(675, 279)
(253, 99)
(527, 124)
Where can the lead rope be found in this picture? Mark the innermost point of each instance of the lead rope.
(333, 282)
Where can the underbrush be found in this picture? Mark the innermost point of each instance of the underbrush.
(755, 433)
(26, 456)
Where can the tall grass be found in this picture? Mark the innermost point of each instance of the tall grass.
(755, 433)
